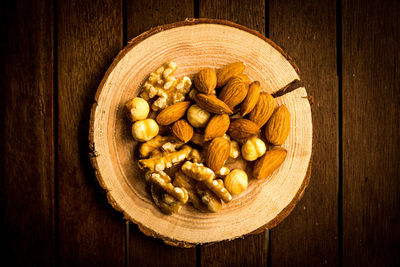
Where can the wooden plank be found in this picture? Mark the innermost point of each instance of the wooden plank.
(89, 36)
(252, 250)
(371, 133)
(306, 30)
(27, 140)
(148, 251)
(145, 14)
(141, 16)
(247, 13)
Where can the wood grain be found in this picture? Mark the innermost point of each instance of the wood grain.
(247, 13)
(145, 14)
(141, 16)
(89, 35)
(252, 249)
(371, 133)
(27, 145)
(307, 31)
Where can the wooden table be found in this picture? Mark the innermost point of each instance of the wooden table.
(53, 56)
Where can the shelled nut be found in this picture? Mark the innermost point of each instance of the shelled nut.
(144, 130)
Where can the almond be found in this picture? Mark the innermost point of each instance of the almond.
(206, 80)
(277, 129)
(217, 153)
(234, 92)
(244, 78)
(242, 128)
(212, 104)
(172, 113)
(228, 72)
(251, 99)
(182, 130)
(263, 109)
(216, 127)
(268, 163)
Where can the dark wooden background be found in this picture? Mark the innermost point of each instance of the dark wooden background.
(53, 56)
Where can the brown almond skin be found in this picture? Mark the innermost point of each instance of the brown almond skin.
(228, 72)
(263, 110)
(217, 153)
(212, 104)
(234, 92)
(182, 130)
(251, 99)
(172, 113)
(206, 80)
(242, 128)
(216, 127)
(278, 126)
(244, 78)
(268, 163)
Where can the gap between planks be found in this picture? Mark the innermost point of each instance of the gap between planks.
(55, 135)
(340, 128)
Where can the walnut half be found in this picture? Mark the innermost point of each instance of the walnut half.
(168, 89)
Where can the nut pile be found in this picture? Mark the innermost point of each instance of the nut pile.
(222, 117)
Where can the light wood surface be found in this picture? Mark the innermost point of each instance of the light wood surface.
(193, 45)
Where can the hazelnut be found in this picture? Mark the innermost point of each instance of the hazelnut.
(137, 109)
(236, 181)
(253, 149)
(145, 130)
(197, 116)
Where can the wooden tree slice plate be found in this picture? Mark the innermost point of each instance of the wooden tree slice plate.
(195, 44)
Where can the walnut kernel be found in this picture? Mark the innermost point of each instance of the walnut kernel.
(168, 89)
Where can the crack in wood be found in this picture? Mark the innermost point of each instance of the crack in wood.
(288, 88)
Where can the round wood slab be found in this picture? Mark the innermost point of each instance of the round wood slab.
(195, 44)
